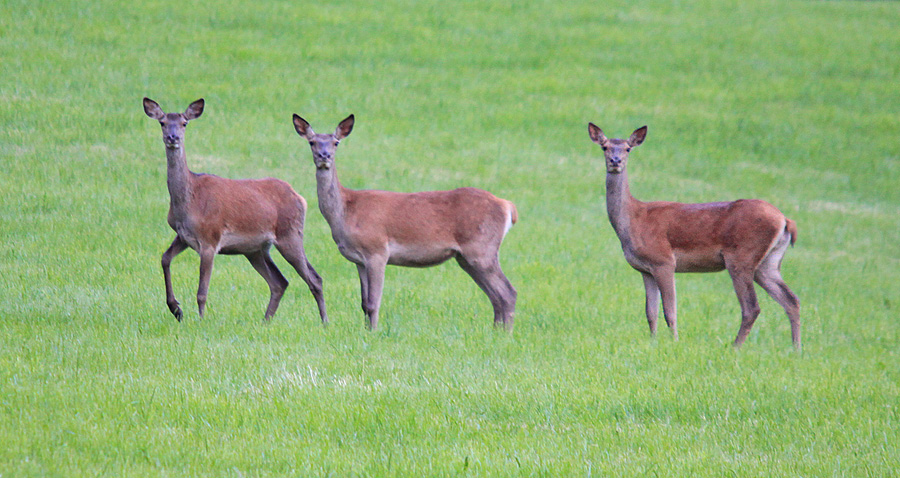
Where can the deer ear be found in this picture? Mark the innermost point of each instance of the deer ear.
(344, 128)
(596, 134)
(194, 110)
(302, 127)
(152, 109)
(638, 136)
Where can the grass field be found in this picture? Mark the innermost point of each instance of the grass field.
(793, 102)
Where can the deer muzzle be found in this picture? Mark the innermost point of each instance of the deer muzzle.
(322, 161)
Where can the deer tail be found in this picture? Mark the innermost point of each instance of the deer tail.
(791, 228)
(511, 216)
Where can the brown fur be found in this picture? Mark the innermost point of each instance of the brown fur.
(215, 215)
(748, 237)
(375, 228)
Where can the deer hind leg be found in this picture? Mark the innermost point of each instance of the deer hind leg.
(276, 280)
(207, 257)
(768, 276)
(651, 304)
(490, 278)
(665, 281)
(291, 248)
(742, 279)
(177, 247)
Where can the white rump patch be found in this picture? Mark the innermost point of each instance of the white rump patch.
(509, 223)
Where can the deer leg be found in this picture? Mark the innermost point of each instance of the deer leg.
(651, 306)
(363, 287)
(292, 250)
(491, 280)
(375, 278)
(207, 256)
(770, 280)
(665, 281)
(177, 247)
(743, 287)
(510, 296)
(269, 271)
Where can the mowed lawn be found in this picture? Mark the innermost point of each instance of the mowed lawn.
(794, 102)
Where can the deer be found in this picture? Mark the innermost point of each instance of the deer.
(746, 237)
(421, 229)
(214, 215)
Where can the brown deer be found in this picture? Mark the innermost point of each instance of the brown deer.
(214, 215)
(375, 228)
(748, 237)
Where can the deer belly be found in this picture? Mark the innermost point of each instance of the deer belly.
(412, 256)
(233, 243)
(699, 260)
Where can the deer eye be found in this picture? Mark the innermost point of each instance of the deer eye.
(627, 149)
(312, 143)
(184, 124)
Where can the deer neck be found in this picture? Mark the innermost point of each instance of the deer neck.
(619, 203)
(178, 178)
(331, 198)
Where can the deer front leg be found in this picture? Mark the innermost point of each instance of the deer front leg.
(374, 288)
(177, 247)
(651, 305)
(363, 287)
(207, 256)
(665, 281)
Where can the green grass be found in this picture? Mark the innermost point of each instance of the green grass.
(793, 102)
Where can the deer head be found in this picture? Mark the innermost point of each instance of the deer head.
(616, 150)
(173, 124)
(323, 145)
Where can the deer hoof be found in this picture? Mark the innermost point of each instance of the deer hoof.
(176, 311)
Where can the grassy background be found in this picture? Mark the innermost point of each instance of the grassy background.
(794, 102)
